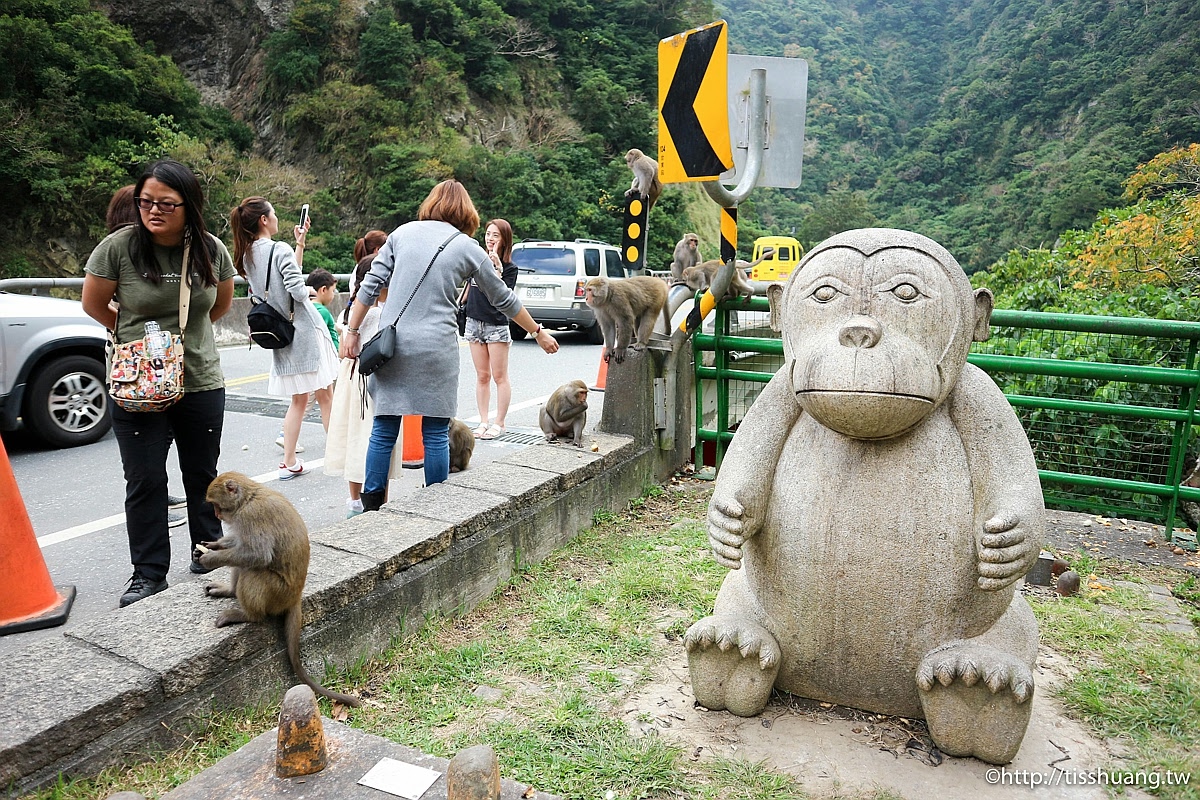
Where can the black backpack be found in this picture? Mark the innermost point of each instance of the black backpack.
(269, 329)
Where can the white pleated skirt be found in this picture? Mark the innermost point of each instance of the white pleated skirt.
(350, 423)
(305, 382)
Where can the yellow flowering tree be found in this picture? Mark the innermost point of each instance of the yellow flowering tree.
(1153, 240)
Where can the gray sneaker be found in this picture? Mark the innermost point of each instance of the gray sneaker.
(176, 502)
(175, 519)
(141, 587)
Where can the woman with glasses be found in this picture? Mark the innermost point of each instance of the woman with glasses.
(309, 364)
(141, 266)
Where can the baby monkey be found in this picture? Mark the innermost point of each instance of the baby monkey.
(565, 412)
(265, 543)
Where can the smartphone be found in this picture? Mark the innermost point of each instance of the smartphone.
(303, 215)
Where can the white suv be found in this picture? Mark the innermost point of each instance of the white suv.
(551, 277)
(52, 375)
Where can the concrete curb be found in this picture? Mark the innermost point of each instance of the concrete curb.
(134, 681)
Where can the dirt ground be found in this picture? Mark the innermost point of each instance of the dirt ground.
(836, 751)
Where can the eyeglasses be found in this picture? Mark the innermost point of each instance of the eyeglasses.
(163, 205)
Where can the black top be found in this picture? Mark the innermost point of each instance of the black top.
(478, 306)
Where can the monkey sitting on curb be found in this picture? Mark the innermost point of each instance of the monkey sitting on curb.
(462, 445)
(265, 543)
(565, 412)
(645, 177)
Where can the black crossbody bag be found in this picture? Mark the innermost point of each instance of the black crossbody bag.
(269, 329)
(382, 347)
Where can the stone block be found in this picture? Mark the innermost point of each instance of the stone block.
(524, 485)
(394, 541)
(249, 774)
(470, 510)
(58, 695)
(336, 579)
(574, 464)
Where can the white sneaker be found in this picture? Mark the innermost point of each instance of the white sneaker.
(286, 473)
(299, 447)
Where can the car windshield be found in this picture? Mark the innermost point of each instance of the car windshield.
(545, 260)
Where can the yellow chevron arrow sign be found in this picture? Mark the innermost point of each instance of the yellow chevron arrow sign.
(693, 113)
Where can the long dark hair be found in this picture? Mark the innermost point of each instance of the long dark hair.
(141, 249)
(244, 222)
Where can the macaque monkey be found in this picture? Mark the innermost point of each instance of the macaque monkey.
(462, 445)
(624, 308)
(687, 254)
(565, 412)
(701, 276)
(645, 177)
(265, 542)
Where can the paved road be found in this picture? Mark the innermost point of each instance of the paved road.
(74, 497)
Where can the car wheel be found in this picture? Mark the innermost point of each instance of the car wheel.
(595, 335)
(67, 404)
(518, 333)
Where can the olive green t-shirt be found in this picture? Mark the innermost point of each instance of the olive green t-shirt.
(141, 300)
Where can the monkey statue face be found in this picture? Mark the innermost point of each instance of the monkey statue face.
(876, 331)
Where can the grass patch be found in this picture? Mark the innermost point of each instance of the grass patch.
(542, 671)
(1136, 681)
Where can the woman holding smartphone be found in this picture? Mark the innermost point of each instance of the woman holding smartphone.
(309, 364)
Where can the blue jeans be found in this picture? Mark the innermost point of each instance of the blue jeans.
(435, 436)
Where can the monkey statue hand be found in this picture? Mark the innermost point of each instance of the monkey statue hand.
(728, 529)
(1005, 551)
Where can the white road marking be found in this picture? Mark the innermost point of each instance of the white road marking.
(119, 519)
(537, 401)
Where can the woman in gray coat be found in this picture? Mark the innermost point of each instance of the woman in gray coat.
(422, 377)
(309, 363)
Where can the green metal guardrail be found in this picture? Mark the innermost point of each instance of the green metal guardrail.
(1108, 403)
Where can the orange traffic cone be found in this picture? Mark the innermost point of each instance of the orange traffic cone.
(601, 374)
(28, 600)
(412, 451)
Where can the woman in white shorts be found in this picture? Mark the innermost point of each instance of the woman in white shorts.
(487, 333)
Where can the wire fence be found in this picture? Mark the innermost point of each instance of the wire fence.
(1108, 403)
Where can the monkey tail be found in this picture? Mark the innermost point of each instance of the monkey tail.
(291, 629)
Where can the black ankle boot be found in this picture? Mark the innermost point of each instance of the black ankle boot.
(372, 501)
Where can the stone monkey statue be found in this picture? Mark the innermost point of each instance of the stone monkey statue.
(624, 308)
(686, 254)
(265, 542)
(565, 413)
(878, 507)
(645, 177)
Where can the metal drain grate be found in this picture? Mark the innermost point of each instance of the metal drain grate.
(519, 437)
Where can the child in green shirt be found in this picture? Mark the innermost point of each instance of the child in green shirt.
(325, 286)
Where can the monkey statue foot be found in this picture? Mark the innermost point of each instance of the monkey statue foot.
(733, 664)
(976, 700)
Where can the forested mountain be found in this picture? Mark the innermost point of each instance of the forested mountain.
(985, 124)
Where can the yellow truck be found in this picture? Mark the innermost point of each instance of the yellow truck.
(779, 265)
